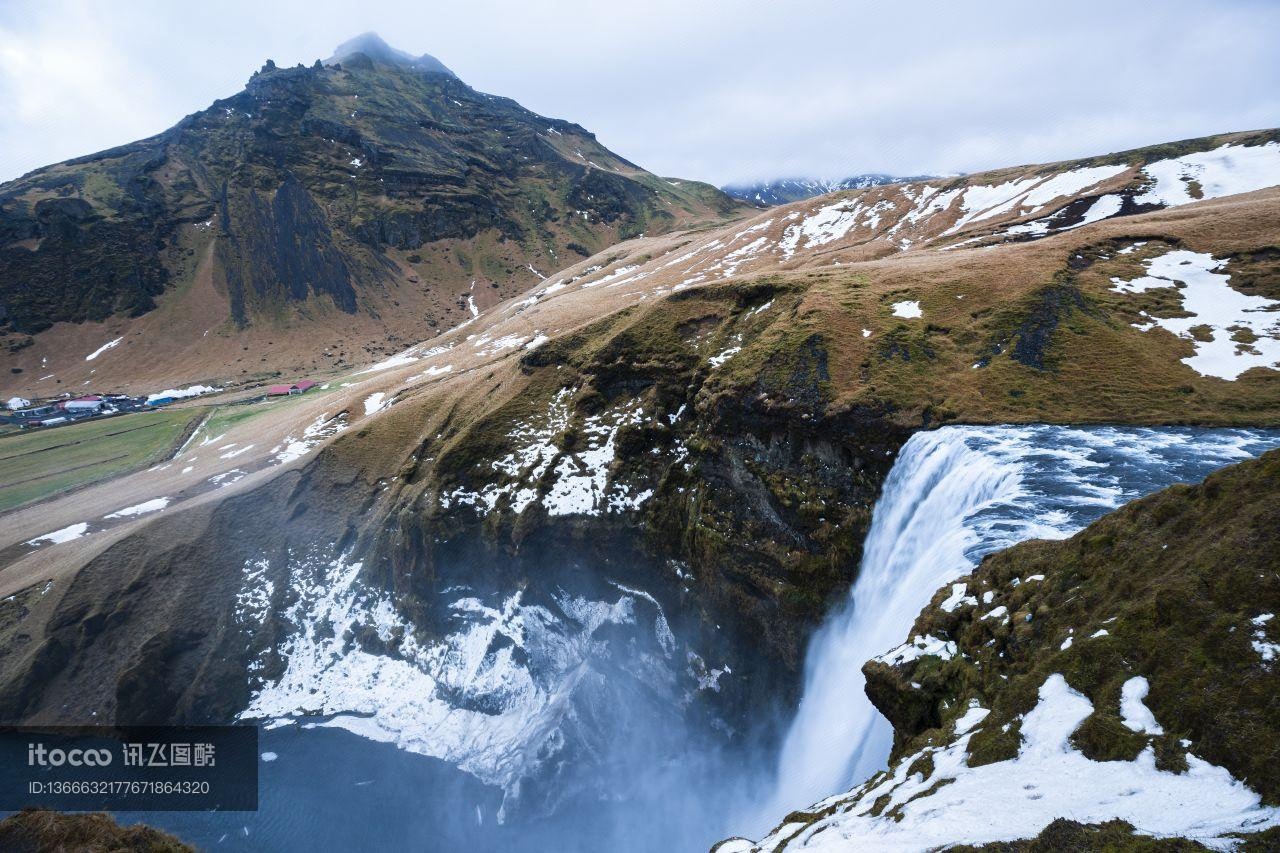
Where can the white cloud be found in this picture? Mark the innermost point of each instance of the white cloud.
(710, 90)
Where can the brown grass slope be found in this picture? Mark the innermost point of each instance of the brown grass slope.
(45, 831)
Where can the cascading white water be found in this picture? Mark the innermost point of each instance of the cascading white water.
(954, 495)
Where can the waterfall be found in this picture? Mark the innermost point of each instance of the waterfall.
(954, 495)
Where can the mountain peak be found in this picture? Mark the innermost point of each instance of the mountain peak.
(373, 46)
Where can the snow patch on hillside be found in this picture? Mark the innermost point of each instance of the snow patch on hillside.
(1103, 207)
(1267, 651)
(534, 449)
(1032, 194)
(399, 360)
(612, 276)
(727, 353)
(921, 646)
(958, 598)
(322, 427)
(154, 505)
(1069, 184)
(1227, 170)
(929, 201)
(581, 476)
(65, 534)
(570, 482)
(1014, 799)
(227, 478)
(1231, 331)
(1133, 710)
(100, 350)
(830, 223)
(982, 201)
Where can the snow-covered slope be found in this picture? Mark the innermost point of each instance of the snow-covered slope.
(994, 207)
(512, 685)
(937, 797)
(1008, 206)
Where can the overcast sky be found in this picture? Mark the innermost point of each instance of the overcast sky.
(721, 91)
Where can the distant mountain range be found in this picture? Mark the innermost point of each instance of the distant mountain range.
(787, 190)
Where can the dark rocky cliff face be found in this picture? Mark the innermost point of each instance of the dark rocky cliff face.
(64, 259)
(281, 251)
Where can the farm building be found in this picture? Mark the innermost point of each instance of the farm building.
(296, 388)
(91, 403)
(68, 409)
(29, 416)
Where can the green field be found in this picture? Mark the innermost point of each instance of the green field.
(37, 465)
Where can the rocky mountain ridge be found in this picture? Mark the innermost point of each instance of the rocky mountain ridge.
(362, 203)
